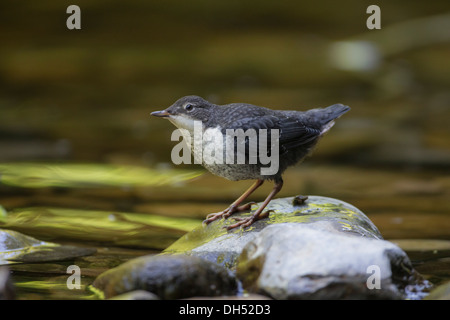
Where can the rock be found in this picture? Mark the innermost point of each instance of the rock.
(215, 244)
(13, 240)
(315, 261)
(168, 277)
(7, 291)
(136, 295)
(16, 247)
(321, 248)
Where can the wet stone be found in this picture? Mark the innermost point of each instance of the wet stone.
(316, 248)
(16, 247)
(13, 240)
(295, 261)
(7, 291)
(168, 277)
(214, 243)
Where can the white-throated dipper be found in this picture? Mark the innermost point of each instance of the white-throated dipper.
(283, 137)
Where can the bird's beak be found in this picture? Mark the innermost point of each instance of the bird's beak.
(162, 114)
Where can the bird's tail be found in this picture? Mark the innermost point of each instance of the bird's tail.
(330, 113)
(325, 117)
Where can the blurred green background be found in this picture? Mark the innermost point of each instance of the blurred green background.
(85, 95)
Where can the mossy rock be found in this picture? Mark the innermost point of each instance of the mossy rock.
(214, 243)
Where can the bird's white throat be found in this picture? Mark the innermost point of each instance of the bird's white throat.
(184, 122)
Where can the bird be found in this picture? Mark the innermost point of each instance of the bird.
(296, 135)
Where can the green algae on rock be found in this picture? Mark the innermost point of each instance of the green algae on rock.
(214, 243)
(321, 248)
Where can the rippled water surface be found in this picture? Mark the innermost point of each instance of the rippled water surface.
(121, 223)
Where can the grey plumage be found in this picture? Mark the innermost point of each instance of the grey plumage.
(299, 132)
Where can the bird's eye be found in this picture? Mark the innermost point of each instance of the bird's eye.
(188, 107)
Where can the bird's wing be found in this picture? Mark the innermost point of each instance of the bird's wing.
(292, 133)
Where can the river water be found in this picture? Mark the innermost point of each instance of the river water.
(82, 163)
(137, 218)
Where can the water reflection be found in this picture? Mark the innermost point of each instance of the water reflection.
(35, 175)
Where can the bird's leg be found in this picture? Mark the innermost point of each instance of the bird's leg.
(245, 222)
(234, 207)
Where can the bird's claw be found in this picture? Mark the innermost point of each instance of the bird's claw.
(227, 212)
(248, 221)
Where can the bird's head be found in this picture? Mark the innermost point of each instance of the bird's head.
(186, 110)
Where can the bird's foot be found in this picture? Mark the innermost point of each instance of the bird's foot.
(227, 212)
(246, 222)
